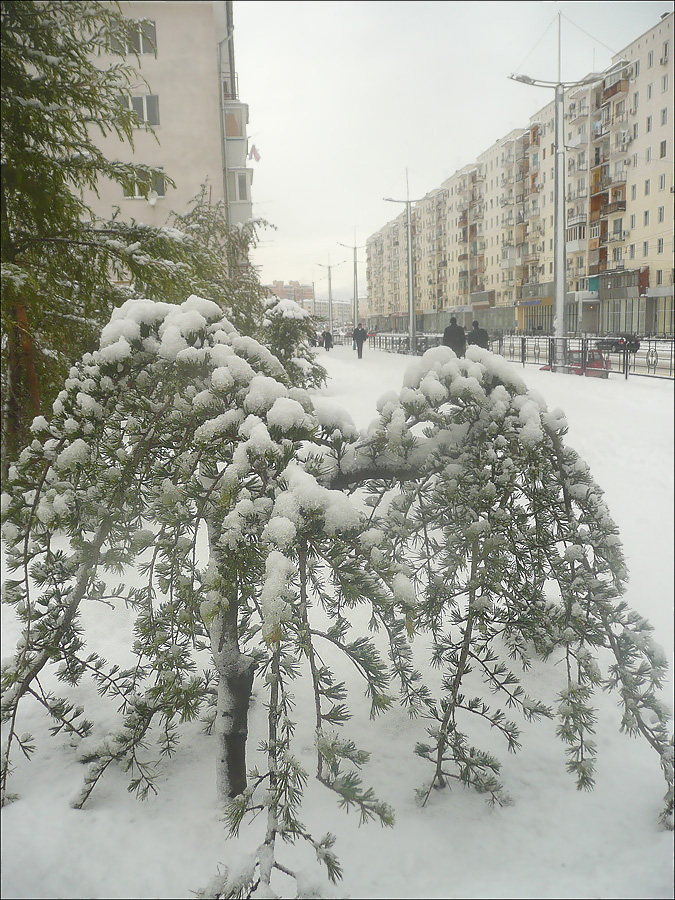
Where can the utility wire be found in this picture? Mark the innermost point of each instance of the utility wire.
(613, 52)
(537, 44)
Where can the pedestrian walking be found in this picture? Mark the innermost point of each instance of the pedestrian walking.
(454, 337)
(359, 336)
(327, 340)
(478, 336)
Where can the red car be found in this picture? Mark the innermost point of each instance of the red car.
(597, 365)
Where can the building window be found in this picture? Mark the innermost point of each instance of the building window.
(234, 124)
(650, 59)
(635, 131)
(637, 69)
(659, 276)
(659, 245)
(645, 248)
(662, 213)
(648, 157)
(646, 217)
(632, 222)
(633, 191)
(662, 182)
(647, 187)
(662, 149)
(237, 186)
(649, 91)
(649, 123)
(139, 37)
(146, 107)
(631, 251)
(664, 83)
(136, 190)
(664, 115)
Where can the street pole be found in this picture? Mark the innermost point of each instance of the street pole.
(412, 324)
(330, 292)
(559, 241)
(356, 279)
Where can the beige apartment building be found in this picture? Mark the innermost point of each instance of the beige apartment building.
(483, 242)
(188, 92)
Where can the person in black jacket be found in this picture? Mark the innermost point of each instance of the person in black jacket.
(478, 336)
(359, 336)
(327, 339)
(454, 337)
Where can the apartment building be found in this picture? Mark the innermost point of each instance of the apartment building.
(302, 294)
(187, 90)
(483, 242)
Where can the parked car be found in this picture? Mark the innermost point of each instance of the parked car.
(597, 365)
(617, 342)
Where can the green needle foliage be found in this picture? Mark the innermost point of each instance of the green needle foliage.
(64, 269)
(259, 521)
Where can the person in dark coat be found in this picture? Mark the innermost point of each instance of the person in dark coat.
(478, 336)
(359, 336)
(454, 337)
(327, 340)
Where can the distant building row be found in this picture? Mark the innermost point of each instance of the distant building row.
(483, 241)
(303, 294)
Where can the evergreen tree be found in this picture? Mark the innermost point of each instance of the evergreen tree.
(63, 268)
(474, 509)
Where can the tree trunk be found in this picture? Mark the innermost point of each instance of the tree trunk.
(235, 683)
(21, 388)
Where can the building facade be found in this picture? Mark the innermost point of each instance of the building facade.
(483, 242)
(188, 92)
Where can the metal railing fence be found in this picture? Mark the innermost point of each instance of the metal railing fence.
(654, 359)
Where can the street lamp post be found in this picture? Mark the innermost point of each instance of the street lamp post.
(356, 279)
(412, 324)
(330, 293)
(559, 244)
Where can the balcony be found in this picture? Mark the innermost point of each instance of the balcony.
(601, 185)
(577, 219)
(613, 237)
(619, 87)
(577, 112)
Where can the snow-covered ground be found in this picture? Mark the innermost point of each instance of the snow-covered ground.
(553, 842)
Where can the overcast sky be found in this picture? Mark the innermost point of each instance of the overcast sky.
(344, 97)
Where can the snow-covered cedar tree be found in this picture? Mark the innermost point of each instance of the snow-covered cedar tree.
(63, 268)
(513, 556)
(290, 331)
(181, 449)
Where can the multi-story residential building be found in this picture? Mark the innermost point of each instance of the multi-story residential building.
(491, 225)
(302, 294)
(187, 91)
